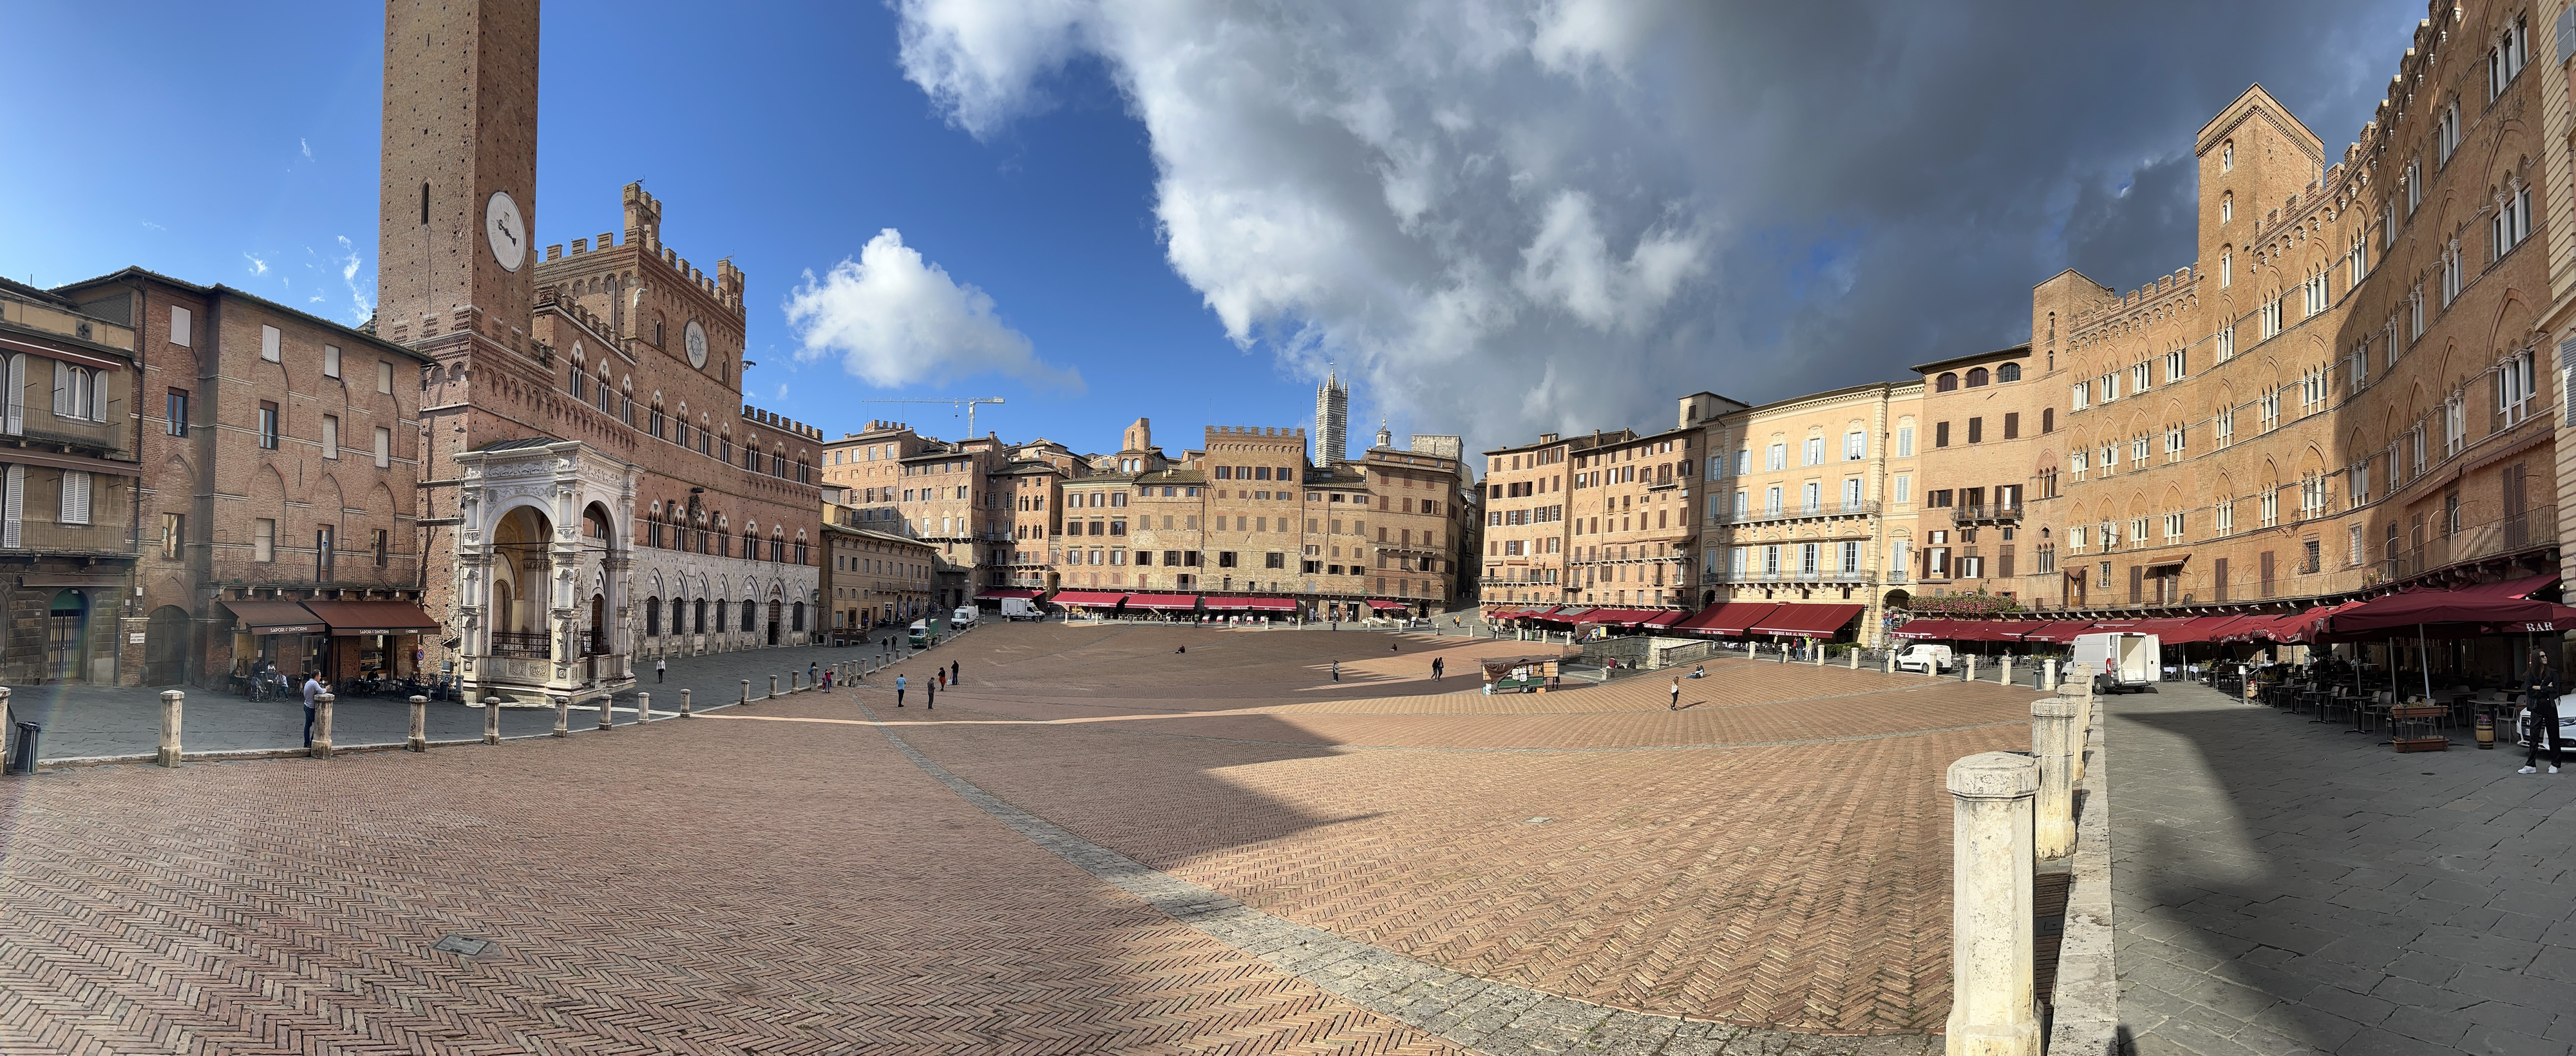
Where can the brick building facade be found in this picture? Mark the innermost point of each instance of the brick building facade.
(69, 477)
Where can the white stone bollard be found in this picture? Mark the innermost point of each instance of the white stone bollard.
(1969, 673)
(322, 726)
(1820, 656)
(607, 710)
(2005, 679)
(773, 688)
(419, 741)
(2052, 740)
(746, 691)
(643, 708)
(1854, 656)
(2048, 674)
(491, 720)
(171, 702)
(2080, 677)
(1890, 659)
(1992, 1006)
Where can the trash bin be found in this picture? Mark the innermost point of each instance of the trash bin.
(22, 757)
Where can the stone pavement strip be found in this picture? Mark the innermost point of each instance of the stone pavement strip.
(2286, 886)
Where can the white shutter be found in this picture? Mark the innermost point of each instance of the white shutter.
(330, 361)
(268, 344)
(180, 321)
(63, 405)
(16, 412)
(13, 507)
(384, 448)
(75, 497)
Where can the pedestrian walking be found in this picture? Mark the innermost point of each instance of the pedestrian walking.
(1676, 704)
(658, 667)
(1436, 668)
(952, 672)
(1337, 670)
(313, 688)
(2540, 695)
(827, 680)
(898, 691)
(933, 703)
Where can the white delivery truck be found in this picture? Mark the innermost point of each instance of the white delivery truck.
(1926, 658)
(1021, 609)
(921, 635)
(2121, 663)
(964, 617)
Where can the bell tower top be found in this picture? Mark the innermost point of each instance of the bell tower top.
(456, 206)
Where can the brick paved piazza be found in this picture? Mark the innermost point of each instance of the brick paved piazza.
(1095, 844)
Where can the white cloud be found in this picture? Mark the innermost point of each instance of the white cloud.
(257, 266)
(893, 318)
(1455, 197)
(307, 148)
(362, 304)
(152, 225)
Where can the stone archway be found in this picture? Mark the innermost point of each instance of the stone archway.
(543, 567)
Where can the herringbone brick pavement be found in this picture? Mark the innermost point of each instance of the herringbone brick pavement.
(778, 880)
(720, 887)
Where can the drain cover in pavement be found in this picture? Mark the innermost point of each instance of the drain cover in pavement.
(463, 945)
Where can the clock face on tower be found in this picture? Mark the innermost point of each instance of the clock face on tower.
(506, 230)
(697, 340)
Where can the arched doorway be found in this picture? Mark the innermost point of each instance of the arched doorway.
(596, 642)
(165, 646)
(66, 637)
(776, 609)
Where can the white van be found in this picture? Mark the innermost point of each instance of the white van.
(1021, 609)
(2121, 662)
(963, 618)
(920, 633)
(1926, 658)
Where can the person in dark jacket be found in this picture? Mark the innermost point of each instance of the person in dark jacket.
(2540, 694)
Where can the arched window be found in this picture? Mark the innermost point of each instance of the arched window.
(1976, 377)
(2047, 419)
(653, 616)
(797, 622)
(2226, 207)
(1946, 383)
(750, 615)
(2227, 156)
(699, 616)
(720, 616)
(2008, 372)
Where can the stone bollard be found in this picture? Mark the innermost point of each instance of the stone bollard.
(1889, 660)
(1820, 656)
(419, 741)
(1992, 1010)
(2080, 678)
(492, 720)
(2005, 679)
(2048, 674)
(2052, 740)
(171, 701)
(1854, 656)
(684, 705)
(1968, 671)
(643, 708)
(773, 688)
(321, 726)
(746, 691)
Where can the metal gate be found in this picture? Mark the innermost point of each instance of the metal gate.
(66, 643)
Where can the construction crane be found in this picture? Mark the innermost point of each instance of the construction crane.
(968, 404)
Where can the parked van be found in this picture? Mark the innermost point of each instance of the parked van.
(963, 617)
(1926, 658)
(920, 633)
(1021, 609)
(2122, 663)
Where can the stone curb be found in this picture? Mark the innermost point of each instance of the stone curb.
(2085, 1010)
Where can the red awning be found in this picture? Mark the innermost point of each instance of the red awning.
(1088, 599)
(1556, 614)
(2398, 614)
(1666, 618)
(998, 593)
(2512, 588)
(1928, 629)
(1613, 617)
(349, 619)
(276, 617)
(1252, 604)
(2056, 632)
(1162, 601)
(1808, 621)
(1376, 603)
(1731, 619)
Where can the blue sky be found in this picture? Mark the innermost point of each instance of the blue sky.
(1500, 216)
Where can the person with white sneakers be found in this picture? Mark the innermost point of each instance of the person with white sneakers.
(2540, 696)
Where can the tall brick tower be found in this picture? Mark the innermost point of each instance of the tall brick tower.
(456, 207)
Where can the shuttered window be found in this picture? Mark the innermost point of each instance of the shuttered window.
(14, 417)
(75, 497)
(269, 343)
(384, 447)
(330, 436)
(180, 321)
(13, 507)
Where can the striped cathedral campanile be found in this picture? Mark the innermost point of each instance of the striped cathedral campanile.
(1332, 420)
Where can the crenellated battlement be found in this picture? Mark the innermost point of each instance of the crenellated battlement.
(775, 420)
(1242, 431)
